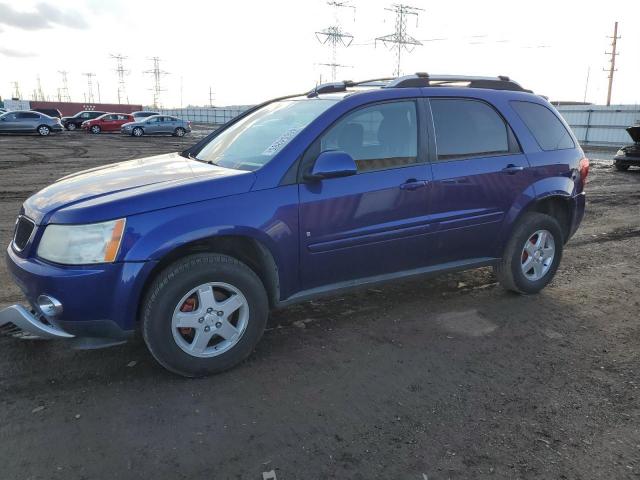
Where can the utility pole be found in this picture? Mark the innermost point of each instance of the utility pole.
(612, 67)
(16, 90)
(586, 85)
(89, 97)
(335, 37)
(400, 40)
(157, 76)
(122, 91)
(64, 90)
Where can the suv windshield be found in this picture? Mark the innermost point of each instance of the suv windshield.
(253, 141)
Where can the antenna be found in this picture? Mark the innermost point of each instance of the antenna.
(63, 92)
(335, 37)
(16, 90)
(157, 75)
(120, 70)
(89, 97)
(612, 61)
(399, 40)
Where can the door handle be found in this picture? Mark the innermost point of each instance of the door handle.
(413, 184)
(511, 169)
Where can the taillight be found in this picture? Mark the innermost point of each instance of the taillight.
(583, 168)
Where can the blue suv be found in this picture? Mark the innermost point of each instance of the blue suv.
(350, 184)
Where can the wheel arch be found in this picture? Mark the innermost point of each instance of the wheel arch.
(251, 251)
(555, 204)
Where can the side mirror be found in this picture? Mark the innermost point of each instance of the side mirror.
(333, 164)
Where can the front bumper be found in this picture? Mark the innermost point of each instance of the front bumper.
(100, 301)
(17, 321)
(627, 160)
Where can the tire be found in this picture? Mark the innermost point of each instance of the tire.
(71, 126)
(166, 336)
(137, 132)
(179, 132)
(43, 130)
(510, 269)
(95, 129)
(621, 167)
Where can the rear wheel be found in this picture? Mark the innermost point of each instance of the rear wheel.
(71, 126)
(137, 132)
(204, 314)
(179, 132)
(532, 255)
(43, 130)
(621, 167)
(95, 129)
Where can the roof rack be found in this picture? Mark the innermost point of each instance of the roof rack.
(501, 82)
(420, 80)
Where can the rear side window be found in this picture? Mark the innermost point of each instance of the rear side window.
(543, 124)
(468, 128)
(378, 137)
(27, 116)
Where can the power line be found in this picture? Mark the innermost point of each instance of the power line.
(63, 92)
(335, 37)
(89, 97)
(157, 75)
(612, 61)
(400, 40)
(120, 70)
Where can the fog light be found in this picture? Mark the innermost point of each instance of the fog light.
(49, 306)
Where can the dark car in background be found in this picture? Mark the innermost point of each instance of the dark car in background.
(22, 121)
(141, 115)
(629, 156)
(71, 123)
(52, 112)
(109, 122)
(157, 125)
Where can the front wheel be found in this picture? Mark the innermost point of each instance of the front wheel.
(71, 126)
(43, 130)
(621, 167)
(137, 132)
(179, 132)
(204, 314)
(95, 129)
(532, 255)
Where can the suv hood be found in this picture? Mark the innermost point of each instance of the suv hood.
(131, 187)
(634, 133)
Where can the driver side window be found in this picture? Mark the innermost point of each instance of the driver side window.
(378, 137)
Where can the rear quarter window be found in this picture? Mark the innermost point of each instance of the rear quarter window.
(544, 125)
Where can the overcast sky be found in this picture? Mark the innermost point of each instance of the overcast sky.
(248, 51)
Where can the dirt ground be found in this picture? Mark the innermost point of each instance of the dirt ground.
(428, 379)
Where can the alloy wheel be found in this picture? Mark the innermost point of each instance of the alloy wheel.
(537, 255)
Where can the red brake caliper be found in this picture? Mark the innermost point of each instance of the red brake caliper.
(189, 305)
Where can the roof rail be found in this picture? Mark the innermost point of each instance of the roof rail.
(343, 85)
(422, 79)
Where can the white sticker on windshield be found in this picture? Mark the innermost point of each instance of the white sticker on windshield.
(281, 141)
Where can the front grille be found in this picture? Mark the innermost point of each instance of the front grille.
(22, 234)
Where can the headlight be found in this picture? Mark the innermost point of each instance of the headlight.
(82, 244)
(620, 153)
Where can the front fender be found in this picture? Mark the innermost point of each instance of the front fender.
(267, 216)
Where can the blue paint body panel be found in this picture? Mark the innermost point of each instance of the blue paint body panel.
(319, 233)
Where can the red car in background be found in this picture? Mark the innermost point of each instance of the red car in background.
(109, 122)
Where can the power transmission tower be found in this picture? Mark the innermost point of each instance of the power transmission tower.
(210, 98)
(16, 90)
(39, 94)
(122, 90)
(335, 37)
(64, 90)
(400, 40)
(612, 61)
(89, 98)
(157, 75)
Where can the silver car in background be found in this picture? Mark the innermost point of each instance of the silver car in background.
(22, 121)
(157, 125)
